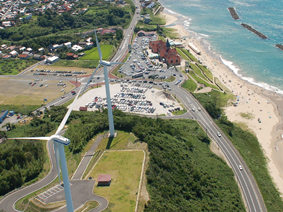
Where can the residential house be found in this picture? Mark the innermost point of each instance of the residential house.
(14, 53)
(22, 48)
(24, 56)
(82, 43)
(38, 57)
(88, 45)
(7, 56)
(41, 49)
(76, 48)
(68, 45)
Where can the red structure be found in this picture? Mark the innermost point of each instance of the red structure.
(166, 54)
(104, 179)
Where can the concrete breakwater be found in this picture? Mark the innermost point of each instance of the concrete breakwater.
(259, 34)
(280, 46)
(233, 13)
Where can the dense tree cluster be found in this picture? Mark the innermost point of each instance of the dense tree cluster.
(51, 22)
(183, 174)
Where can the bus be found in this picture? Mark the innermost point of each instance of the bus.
(137, 75)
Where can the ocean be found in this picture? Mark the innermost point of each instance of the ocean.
(253, 59)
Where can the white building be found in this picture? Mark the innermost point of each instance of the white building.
(76, 48)
(52, 59)
(68, 44)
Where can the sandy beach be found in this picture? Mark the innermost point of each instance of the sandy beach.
(262, 109)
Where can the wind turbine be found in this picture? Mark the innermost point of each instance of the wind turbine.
(105, 64)
(59, 143)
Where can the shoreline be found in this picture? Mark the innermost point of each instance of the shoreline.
(260, 102)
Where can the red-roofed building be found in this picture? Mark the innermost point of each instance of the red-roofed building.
(104, 179)
(170, 56)
(24, 56)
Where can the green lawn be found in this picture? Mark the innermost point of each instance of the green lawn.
(180, 112)
(92, 54)
(181, 53)
(190, 85)
(14, 66)
(200, 80)
(170, 79)
(187, 52)
(206, 72)
(198, 72)
(125, 169)
(77, 63)
(119, 142)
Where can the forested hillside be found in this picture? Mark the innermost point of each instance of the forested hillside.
(183, 174)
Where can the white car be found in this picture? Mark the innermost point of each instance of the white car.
(193, 109)
(240, 167)
(218, 134)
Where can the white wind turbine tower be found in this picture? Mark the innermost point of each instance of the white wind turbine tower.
(59, 143)
(105, 65)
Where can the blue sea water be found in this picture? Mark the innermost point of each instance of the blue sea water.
(252, 58)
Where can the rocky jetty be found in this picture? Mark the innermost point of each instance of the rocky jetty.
(259, 34)
(280, 46)
(233, 13)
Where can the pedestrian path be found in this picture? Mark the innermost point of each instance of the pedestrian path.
(86, 159)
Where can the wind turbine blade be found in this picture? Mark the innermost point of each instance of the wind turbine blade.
(63, 122)
(115, 63)
(33, 138)
(98, 47)
(90, 78)
(56, 150)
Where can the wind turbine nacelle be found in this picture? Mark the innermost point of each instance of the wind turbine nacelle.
(60, 139)
(105, 63)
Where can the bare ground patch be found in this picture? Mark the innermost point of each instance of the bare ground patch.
(18, 91)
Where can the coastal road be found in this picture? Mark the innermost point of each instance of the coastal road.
(248, 186)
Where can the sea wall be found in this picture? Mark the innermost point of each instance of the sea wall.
(280, 46)
(233, 13)
(259, 34)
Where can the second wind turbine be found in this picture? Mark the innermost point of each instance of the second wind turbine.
(105, 65)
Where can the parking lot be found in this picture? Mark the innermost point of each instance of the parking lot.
(140, 65)
(59, 71)
(128, 96)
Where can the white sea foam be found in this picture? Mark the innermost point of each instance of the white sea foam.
(204, 35)
(250, 79)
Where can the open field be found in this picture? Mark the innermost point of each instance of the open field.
(14, 66)
(125, 170)
(92, 54)
(19, 92)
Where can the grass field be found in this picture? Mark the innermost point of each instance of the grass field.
(119, 142)
(125, 170)
(200, 80)
(198, 72)
(19, 92)
(187, 52)
(189, 85)
(206, 72)
(92, 54)
(14, 66)
(77, 63)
